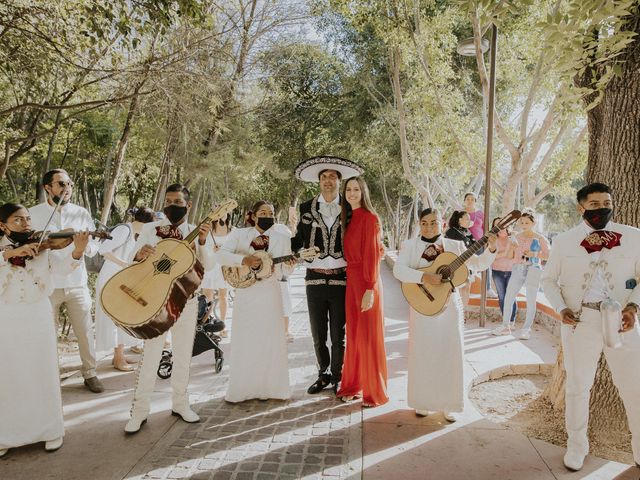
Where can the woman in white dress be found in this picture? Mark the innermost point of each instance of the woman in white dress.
(258, 363)
(213, 280)
(115, 251)
(436, 380)
(30, 398)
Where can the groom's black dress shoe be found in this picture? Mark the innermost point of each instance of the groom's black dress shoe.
(320, 384)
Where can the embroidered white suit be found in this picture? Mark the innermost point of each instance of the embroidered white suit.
(258, 366)
(573, 276)
(182, 333)
(30, 399)
(435, 343)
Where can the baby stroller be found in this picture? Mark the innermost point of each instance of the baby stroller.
(205, 339)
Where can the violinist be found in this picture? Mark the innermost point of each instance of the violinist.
(58, 213)
(30, 399)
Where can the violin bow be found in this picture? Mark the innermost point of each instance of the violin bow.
(45, 230)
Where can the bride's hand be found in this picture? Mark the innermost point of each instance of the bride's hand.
(367, 301)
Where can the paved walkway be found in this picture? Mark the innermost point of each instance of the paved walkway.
(311, 437)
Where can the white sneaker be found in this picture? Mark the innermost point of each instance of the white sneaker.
(134, 425)
(501, 330)
(450, 417)
(491, 293)
(186, 414)
(53, 445)
(573, 460)
(525, 334)
(3, 451)
(422, 413)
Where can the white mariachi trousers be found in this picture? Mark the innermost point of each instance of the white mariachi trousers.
(582, 348)
(182, 334)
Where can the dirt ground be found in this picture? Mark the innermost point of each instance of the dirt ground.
(514, 401)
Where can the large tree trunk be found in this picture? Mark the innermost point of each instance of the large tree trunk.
(614, 159)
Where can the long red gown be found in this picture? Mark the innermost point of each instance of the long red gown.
(365, 363)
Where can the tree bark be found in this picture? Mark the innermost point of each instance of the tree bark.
(110, 190)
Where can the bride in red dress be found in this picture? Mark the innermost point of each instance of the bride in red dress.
(365, 364)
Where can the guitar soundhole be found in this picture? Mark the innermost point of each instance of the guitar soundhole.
(163, 265)
(444, 272)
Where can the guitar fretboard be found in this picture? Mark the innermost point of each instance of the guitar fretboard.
(286, 258)
(472, 250)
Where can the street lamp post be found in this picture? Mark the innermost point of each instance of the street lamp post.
(467, 48)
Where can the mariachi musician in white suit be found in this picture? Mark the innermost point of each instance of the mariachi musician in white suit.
(259, 365)
(176, 209)
(590, 263)
(436, 380)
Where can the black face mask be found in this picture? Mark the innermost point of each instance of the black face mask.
(598, 218)
(265, 223)
(20, 237)
(56, 199)
(175, 213)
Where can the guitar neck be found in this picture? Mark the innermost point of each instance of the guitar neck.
(194, 233)
(286, 258)
(472, 250)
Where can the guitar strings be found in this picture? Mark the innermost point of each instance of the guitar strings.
(141, 286)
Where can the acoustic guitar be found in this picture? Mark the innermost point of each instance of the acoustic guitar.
(147, 298)
(244, 276)
(430, 300)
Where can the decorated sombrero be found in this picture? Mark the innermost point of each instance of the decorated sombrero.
(309, 170)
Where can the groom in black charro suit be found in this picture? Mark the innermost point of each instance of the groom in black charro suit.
(326, 280)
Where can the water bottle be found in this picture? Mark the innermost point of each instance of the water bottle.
(535, 247)
(611, 313)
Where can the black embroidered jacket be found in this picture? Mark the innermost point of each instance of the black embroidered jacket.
(312, 232)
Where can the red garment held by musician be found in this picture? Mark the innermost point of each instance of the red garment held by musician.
(365, 362)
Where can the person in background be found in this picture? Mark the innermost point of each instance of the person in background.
(502, 266)
(477, 229)
(459, 225)
(527, 270)
(213, 280)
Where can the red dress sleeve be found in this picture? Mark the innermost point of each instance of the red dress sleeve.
(371, 251)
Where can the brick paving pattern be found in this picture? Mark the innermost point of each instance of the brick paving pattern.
(308, 436)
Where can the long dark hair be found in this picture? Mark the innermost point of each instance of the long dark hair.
(142, 214)
(454, 221)
(365, 202)
(6, 211)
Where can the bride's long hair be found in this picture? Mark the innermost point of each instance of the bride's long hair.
(365, 202)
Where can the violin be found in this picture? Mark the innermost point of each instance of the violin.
(59, 240)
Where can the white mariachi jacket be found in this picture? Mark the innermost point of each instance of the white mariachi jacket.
(570, 268)
(35, 281)
(149, 236)
(237, 245)
(410, 259)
